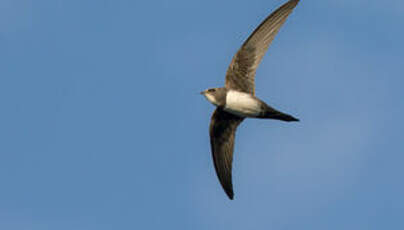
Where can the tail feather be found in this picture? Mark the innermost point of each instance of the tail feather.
(272, 113)
(281, 116)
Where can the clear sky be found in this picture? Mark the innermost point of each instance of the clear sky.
(102, 125)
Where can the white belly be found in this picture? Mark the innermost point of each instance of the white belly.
(242, 104)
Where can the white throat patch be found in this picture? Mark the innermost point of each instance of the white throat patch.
(211, 98)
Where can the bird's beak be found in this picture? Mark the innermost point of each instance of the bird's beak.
(202, 93)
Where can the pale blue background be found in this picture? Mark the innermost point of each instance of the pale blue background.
(102, 126)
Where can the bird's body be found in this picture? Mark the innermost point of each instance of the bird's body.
(243, 104)
(237, 101)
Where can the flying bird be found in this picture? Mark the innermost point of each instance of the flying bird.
(236, 100)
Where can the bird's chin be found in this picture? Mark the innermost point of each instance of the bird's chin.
(210, 98)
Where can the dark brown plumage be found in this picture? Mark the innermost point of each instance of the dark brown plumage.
(222, 131)
(240, 76)
(241, 72)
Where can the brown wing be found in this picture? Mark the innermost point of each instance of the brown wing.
(241, 72)
(222, 130)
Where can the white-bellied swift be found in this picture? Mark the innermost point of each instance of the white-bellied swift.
(237, 101)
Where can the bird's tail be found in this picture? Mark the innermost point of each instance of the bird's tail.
(272, 113)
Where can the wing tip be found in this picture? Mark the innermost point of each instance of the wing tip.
(230, 194)
(228, 188)
(292, 3)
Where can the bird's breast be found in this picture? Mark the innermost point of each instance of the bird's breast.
(242, 104)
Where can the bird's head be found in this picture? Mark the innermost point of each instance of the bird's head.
(214, 95)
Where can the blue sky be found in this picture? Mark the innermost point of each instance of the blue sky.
(102, 126)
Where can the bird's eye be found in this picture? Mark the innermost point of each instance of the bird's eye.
(211, 90)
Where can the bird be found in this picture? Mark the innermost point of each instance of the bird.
(236, 100)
